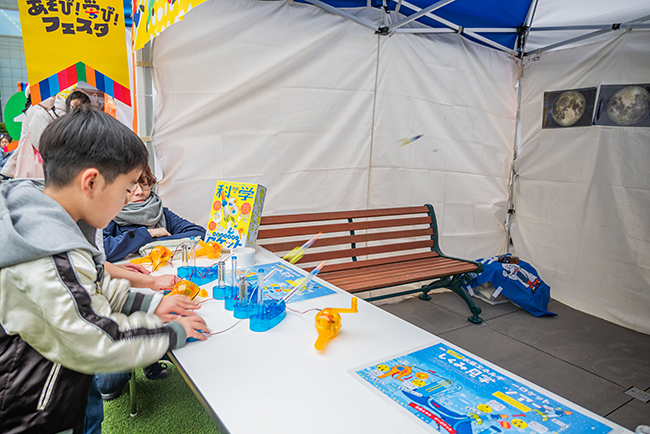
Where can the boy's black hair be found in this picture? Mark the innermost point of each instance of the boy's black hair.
(86, 138)
(77, 94)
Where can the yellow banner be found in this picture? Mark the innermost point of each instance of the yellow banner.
(61, 36)
(151, 17)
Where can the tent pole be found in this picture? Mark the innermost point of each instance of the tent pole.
(144, 97)
(372, 126)
(513, 175)
(593, 27)
(524, 31)
(344, 14)
(455, 27)
(418, 14)
(613, 27)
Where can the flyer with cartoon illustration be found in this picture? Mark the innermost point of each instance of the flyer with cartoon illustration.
(283, 281)
(453, 393)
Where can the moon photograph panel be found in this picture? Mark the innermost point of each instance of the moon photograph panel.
(568, 108)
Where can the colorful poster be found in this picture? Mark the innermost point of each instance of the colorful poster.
(67, 41)
(452, 393)
(284, 280)
(235, 214)
(151, 17)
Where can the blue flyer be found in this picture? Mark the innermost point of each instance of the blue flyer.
(453, 393)
(283, 281)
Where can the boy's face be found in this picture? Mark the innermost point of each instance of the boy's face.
(111, 198)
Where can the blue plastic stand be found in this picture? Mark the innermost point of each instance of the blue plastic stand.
(243, 311)
(223, 293)
(231, 298)
(246, 308)
(271, 313)
(198, 275)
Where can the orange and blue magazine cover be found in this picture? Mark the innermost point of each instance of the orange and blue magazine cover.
(235, 214)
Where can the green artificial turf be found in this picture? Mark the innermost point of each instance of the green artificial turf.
(164, 406)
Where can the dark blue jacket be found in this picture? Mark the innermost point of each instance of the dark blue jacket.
(121, 241)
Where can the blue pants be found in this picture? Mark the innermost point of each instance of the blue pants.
(110, 383)
(94, 410)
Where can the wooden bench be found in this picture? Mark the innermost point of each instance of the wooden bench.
(373, 249)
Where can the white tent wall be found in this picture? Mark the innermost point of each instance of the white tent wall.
(286, 95)
(264, 92)
(583, 194)
(461, 96)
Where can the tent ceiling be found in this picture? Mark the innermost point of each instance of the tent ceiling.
(504, 26)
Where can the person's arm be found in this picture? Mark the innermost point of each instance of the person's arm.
(119, 243)
(55, 306)
(141, 280)
(178, 227)
(39, 121)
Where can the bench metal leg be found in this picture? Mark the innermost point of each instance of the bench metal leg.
(134, 402)
(455, 284)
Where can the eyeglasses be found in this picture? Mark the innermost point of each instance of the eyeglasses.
(143, 187)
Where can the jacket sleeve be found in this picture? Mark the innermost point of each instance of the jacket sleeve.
(178, 227)
(40, 120)
(119, 243)
(55, 306)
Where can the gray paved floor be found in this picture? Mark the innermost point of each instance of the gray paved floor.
(587, 360)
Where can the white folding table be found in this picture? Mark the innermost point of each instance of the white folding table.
(276, 382)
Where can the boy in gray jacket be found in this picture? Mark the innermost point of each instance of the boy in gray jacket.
(62, 318)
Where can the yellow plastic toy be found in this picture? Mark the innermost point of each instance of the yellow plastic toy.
(188, 288)
(159, 256)
(328, 323)
(211, 249)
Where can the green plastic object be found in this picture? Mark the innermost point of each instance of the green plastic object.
(14, 108)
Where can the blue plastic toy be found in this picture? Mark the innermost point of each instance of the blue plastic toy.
(193, 339)
(198, 275)
(244, 306)
(270, 314)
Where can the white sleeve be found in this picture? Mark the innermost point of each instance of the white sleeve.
(56, 307)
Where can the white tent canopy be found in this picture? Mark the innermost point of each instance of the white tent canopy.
(313, 105)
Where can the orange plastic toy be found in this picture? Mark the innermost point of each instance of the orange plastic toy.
(159, 255)
(328, 323)
(211, 249)
(190, 289)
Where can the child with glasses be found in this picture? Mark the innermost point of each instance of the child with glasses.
(144, 220)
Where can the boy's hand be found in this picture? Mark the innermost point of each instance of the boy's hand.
(172, 307)
(136, 268)
(166, 281)
(192, 324)
(158, 232)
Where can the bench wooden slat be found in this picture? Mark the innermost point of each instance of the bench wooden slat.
(265, 233)
(374, 262)
(363, 251)
(380, 277)
(301, 218)
(445, 265)
(287, 246)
